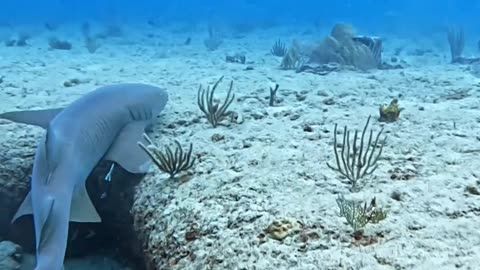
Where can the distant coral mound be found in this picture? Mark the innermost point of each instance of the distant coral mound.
(343, 47)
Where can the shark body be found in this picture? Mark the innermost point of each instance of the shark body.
(105, 124)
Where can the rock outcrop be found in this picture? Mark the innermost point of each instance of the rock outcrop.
(10, 256)
(17, 150)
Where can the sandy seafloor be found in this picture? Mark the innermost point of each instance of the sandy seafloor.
(267, 167)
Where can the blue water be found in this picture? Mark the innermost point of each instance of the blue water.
(377, 14)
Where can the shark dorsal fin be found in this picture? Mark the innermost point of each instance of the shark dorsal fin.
(39, 118)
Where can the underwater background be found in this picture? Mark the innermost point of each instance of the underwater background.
(297, 134)
(377, 14)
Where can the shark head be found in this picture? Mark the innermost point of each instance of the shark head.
(148, 104)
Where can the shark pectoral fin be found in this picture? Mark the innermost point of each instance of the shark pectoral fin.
(39, 118)
(125, 150)
(25, 208)
(82, 209)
